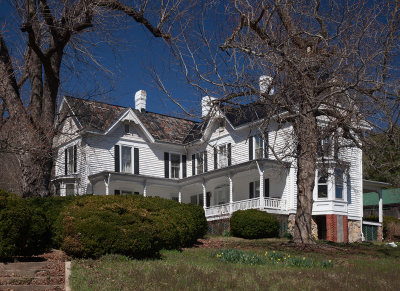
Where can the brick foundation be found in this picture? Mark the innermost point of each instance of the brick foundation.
(332, 228)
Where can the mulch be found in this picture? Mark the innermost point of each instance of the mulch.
(43, 272)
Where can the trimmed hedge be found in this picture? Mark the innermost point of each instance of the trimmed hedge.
(253, 224)
(52, 207)
(130, 225)
(23, 231)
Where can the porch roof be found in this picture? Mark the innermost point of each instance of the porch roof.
(264, 164)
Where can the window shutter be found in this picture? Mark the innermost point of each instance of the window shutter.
(136, 161)
(266, 148)
(205, 161)
(75, 159)
(251, 190)
(250, 148)
(193, 165)
(266, 188)
(229, 154)
(66, 162)
(116, 158)
(166, 165)
(215, 158)
(184, 174)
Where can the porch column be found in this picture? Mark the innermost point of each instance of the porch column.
(180, 196)
(107, 183)
(204, 195)
(380, 206)
(262, 190)
(145, 189)
(230, 194)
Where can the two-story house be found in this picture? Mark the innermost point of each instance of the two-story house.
(222, 163)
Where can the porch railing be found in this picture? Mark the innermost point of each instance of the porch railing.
(254, 203)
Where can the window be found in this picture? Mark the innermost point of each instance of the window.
(198, 199)
(323, 185)
(221, 195)
(70, 160)
(69, 189)
(175, 165)
(258, 146)
(222, 156)
(175, 198)
(338, 184)
(254, 189)
(200, 163)
(126, 159)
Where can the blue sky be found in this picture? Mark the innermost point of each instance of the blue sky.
(129, 65)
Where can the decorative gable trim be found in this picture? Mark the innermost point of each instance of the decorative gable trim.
(130, 115)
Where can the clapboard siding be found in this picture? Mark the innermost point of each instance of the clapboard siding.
(354, 156)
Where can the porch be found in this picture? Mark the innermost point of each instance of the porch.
(273, 205)
(262, 184)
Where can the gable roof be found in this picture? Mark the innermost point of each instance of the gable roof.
(389, 196)
(99, 116)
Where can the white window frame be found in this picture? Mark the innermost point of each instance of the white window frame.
(343, 184)
(170, 165)
(219, 160)
(71, 162)
(262, 148)
(326, 183)
(202, 155)
(120, 157)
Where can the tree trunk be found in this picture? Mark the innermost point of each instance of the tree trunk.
(36, 174)
(307, 136)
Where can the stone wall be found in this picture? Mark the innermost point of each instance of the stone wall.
(354, 231)
(219, 226)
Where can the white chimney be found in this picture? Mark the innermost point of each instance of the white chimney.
(140, 100)
(206, 105)
(265, 82)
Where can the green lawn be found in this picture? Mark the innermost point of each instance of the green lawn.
(356, 267)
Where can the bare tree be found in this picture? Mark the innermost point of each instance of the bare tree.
(332, 68)
(30, 81)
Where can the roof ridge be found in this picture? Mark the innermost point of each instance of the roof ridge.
(96, 101)
(176, 117)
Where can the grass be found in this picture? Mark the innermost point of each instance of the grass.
(363, 267)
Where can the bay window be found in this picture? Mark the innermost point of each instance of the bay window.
(323, 185)
(338, 184)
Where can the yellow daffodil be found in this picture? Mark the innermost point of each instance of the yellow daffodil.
(304, 258)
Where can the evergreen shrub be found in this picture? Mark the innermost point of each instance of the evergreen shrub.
(253, 224)
(129, 225)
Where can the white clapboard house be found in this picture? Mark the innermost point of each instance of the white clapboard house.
(222, 163)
